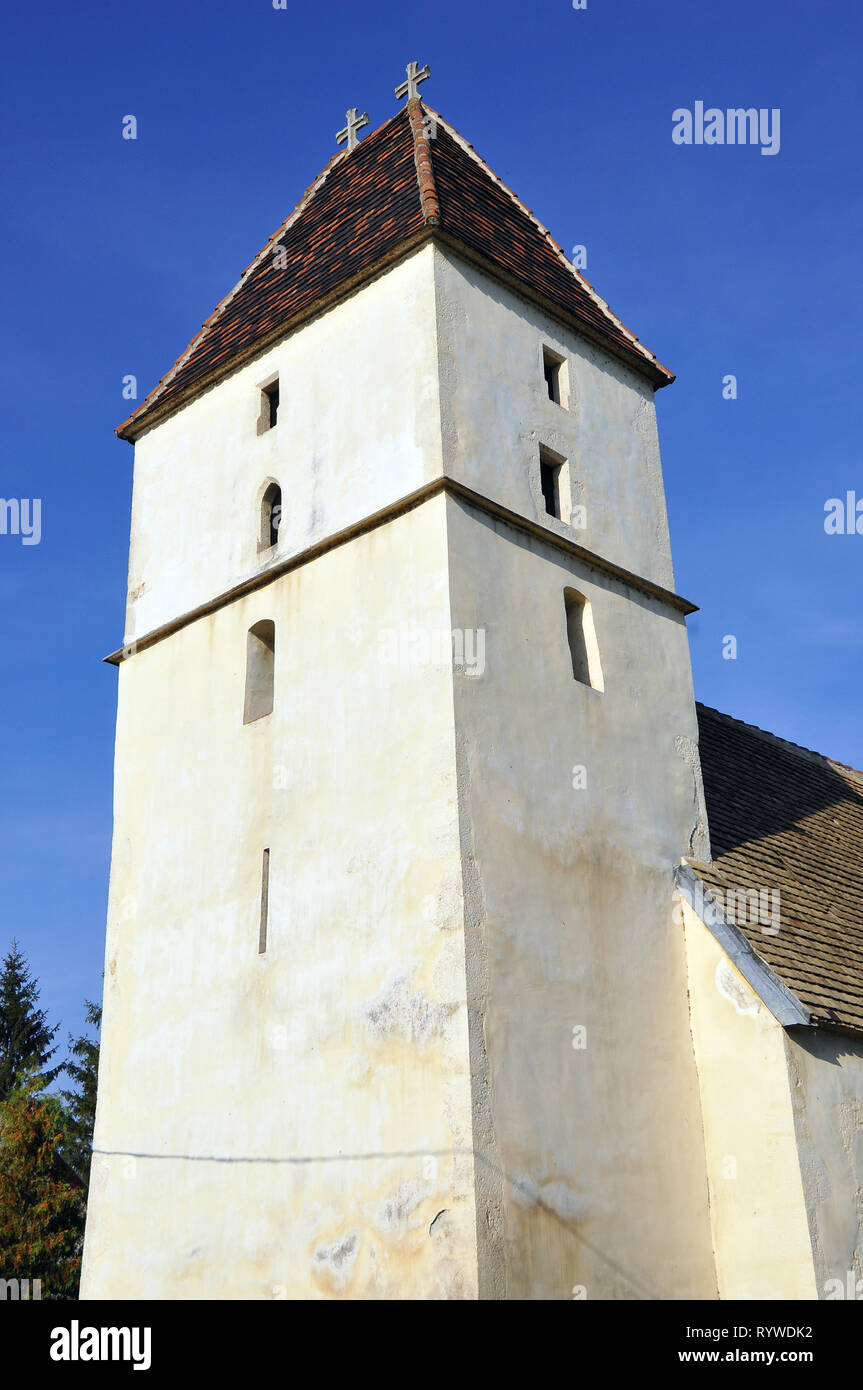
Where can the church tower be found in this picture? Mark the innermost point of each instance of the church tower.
(395, 1004)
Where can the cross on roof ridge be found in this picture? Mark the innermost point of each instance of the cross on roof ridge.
(415, 75)
(354, 123)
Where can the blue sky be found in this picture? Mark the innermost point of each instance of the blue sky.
(721, 259)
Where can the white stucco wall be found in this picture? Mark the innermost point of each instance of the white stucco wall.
(388, 1103)
(757, 1199)
(358, 428)
(304, 1115)
(826, 1075)
(496, 413)
(590, 1160)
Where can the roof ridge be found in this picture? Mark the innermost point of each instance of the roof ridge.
(798, 748)
(423, 162)
(555, 246)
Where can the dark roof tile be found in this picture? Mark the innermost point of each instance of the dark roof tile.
(782, 817)
(393, 188)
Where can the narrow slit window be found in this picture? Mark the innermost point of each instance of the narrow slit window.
(271, 517)
(270, 404)
(555, 371)
(553, 483)
(265, 902)
(551, 370)
(550, 483)
(583, 649)
(260, 671)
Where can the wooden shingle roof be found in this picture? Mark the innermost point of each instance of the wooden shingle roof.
(782, 817)
(411, 180)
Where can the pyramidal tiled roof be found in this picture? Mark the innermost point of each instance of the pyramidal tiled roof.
(412, 179)
(782, 817)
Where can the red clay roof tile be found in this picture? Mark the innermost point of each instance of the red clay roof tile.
(396, 186)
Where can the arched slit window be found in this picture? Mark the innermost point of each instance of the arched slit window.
(260, 670)
(583, 648)
(271, 516)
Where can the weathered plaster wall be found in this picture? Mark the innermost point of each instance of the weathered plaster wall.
(757, 1200)
(590, 1161)
(826, 1073)
(304, 1115)
(496, 412)
(358, 427)
(445, 906)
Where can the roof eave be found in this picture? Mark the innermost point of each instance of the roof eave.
(782, 1002)
(638, 361)
(144, 418)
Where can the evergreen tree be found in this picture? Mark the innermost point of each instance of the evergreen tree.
(25, 1038)
(81, 1103)
(42, 1202)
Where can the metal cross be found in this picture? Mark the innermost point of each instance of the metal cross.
(354, 123)
(416, 75)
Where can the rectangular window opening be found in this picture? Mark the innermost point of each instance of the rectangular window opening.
(260, 671)
(265, 902)
(549, 481)
(552, 370)
(583, 650)
(270, 404)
